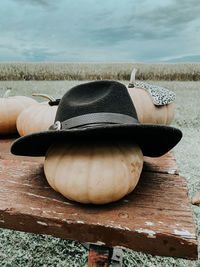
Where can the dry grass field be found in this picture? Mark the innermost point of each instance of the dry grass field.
(99, 71)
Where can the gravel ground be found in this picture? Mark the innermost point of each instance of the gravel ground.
(24, 249)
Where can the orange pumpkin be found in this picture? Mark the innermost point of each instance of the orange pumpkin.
(38, 117)
(10, 108)
(147, 111)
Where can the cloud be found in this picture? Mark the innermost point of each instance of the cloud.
(192, 58)
(42, 3)
(150, 23)
(111, 35)
(171, 18)
(90, 30)
(114, 35)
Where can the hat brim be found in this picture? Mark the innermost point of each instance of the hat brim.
(154, 140)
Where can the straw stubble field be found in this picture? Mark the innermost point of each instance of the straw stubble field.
(23, 249)
(99, 71)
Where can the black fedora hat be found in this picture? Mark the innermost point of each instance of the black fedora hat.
(101, 110)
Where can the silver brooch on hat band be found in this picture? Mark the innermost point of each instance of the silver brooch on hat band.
(55, 127)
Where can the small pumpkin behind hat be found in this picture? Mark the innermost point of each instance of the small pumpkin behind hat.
(153, 104)
(97, 173)
(37, 118)
(10, 108)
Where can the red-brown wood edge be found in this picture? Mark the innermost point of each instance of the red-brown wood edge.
(155, 218)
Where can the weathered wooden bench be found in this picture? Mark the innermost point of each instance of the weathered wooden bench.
(155, 218)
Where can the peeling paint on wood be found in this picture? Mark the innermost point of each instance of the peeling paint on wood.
(172, 171)
(184, 233)
(149, 233)
(148, 223)
(99, 243)
(42, 223)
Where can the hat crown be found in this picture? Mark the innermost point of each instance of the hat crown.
(82, 95)
(95, 97)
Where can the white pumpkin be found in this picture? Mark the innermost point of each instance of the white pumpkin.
(37, 118)
(10, 108)
(93, 173)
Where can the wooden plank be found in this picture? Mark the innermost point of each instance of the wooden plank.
(166, 163)
(155, 218)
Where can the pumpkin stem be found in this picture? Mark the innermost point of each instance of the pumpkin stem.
(6, 93)
(132, 79)
(45, 96)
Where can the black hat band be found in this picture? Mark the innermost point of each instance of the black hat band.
(88, 120)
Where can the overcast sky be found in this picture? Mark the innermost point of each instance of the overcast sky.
(106, 30)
